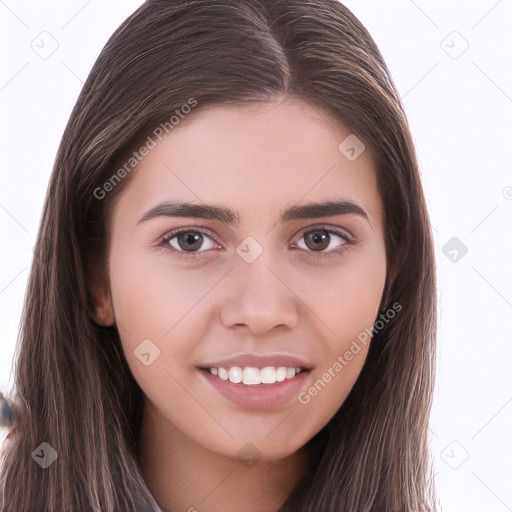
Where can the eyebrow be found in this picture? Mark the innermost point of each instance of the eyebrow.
(227, 216)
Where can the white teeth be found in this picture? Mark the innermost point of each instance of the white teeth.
(252, 376)
(268, 375)
(235, 374)
(281, 374)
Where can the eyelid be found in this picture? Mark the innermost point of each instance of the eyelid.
(342, 233)
(164, 241)
(329, 229)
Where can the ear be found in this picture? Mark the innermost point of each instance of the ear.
(101, 308)
(392, 271)
(103, 312)
(395, 263)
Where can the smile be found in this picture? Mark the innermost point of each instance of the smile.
(252, 376)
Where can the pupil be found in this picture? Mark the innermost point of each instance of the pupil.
(317, 237)
(191, 237)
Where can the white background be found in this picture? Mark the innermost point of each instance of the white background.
(460, 110)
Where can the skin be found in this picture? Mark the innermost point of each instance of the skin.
(258, 160)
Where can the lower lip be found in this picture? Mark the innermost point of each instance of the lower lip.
(258, 396)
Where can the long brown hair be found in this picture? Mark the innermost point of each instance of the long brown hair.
(71, 377)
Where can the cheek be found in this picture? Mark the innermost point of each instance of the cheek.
(160, 303)
(149, 296)
(348, 304)
(347, 299)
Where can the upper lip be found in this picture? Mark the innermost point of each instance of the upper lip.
(260, 361)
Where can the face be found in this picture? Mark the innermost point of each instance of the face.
(260, 287)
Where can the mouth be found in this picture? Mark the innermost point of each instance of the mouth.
(252, 387)
(254, 376)
(257, 381)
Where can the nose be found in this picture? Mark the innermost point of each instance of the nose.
(259, 298)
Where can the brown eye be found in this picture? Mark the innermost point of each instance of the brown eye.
(190, 241)
(317, 240)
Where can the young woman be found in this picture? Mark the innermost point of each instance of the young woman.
(232, 300)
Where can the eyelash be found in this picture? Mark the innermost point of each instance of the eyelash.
(164, 242)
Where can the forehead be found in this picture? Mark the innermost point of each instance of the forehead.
(256, 159)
